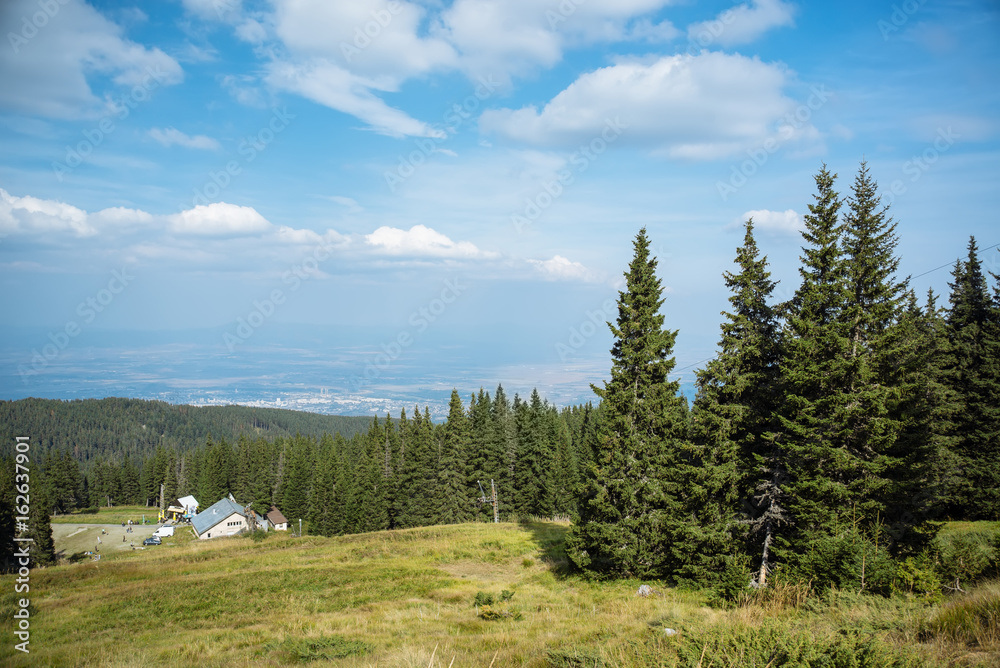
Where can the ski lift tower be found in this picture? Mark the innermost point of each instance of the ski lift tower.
(493, 500)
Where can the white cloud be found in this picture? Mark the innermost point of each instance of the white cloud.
(742, 24)
(515, 37)
(333, 86)
(696, 107)
(559, 268)
(48, 74)
(30, 215)
(292, 236)
(120, 216)
(774, 222)
(371, 38)
(218, 219)
(170, 136)
(420, 240)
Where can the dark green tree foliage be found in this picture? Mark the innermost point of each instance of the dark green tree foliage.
(64, 480)
(370, 498)
(926, 409)
(298, 479)
(486, 454)
(878, 348)
(418, 478)
(972, 372)
(456, 498)
(42, 547)
(733, 424)
(130, 493)
(815, 379)
(505, 432)
(170, 481)
(324, 519)
(566, 466)
(7, 514)
(216, 474)
(533, 471)
(633, 506)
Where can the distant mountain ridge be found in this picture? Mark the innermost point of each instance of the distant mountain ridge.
(118, 427)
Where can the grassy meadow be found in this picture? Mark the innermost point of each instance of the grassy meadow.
(459, 595)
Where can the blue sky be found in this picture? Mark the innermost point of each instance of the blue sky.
(375, 200)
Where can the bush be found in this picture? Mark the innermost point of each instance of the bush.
(93, 510)
(324, 648)
(775, 646)
(917, 577)
(968, 558)
(489, 613)
(482, 598)
(733, 582)
(848, 560)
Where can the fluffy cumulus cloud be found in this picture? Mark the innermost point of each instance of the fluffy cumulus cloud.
(344, 55)
(742, 24)
(218, 219)
(559, 268)
(515, 37)
(51, 54)
(696, 107)
(170, 136)
(420, 241)
(775, 222)
(348, 55)
(30, 215)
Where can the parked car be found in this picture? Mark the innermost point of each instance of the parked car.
(152, 540)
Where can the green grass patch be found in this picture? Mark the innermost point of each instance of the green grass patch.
(325, 648)
(412, 594)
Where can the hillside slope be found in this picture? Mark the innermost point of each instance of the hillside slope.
(409, 598)
(94, 428)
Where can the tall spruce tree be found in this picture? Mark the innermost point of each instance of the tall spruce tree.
(734, 424)
(455, 495)
(972, 372)
(815, 379)
(533, 473)
(39, 528)
(633, 506)
(879, 347)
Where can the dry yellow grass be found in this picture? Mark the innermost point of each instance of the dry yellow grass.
(393, 598)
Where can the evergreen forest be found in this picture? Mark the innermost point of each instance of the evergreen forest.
(827, 439)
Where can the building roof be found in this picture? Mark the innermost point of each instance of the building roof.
(188, 501)
(214, 514)
(274, 516)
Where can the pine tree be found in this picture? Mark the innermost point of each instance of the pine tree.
(323, 513)
(533, 474)
(632, 507)
(815, 379)
(879, 347)
(43, 551)
(8, 494)
(298, 479)
(733, 423)
(505, 433)
(924, 408)
(455, 500)
(972, 372)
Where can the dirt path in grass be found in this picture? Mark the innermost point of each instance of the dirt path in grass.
(72, 538)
